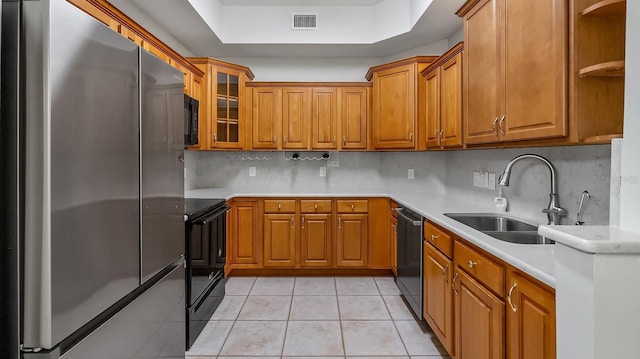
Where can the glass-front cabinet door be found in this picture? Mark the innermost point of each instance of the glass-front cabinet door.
(228, 121)
(226, 129)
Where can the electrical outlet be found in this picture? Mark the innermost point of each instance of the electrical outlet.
(323, 171)
(484, 177)
(252, 171)
(333, 163)
(410, 173)
(477, 181)
(492, 181)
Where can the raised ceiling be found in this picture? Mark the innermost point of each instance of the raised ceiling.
(261, 28)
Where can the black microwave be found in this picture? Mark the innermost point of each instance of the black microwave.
(190, 121)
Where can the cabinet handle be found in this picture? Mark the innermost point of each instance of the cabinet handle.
(471, 263)
(441, 135)
(353, 207)
(279, 206)
(344, 141)
(493, 126)
(513, 307)
(453, 283)
(444, 274)
(274, 139)
(410, 136)
(215, 137)
(434, 237)
(292, 222)
(302, 222)
(334, 139)
(315, 206)
(284, 140)
(339, 222)
(500, 125)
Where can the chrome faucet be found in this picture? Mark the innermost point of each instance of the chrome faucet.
(553, 211)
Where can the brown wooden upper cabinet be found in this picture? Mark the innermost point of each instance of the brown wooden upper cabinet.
(309, 116)
(443, 100)
(396, 98)
(220, 110)
(515, 70)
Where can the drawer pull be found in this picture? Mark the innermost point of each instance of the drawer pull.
(315, 206)
(472, 263)
(279, 206)
(434, 237)
(353, 207)
(453, 284)
(513, 307)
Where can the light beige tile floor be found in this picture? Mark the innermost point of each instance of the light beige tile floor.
(314, 318)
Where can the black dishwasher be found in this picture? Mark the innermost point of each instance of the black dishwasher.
(409, 278)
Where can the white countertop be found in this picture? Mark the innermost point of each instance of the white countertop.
(536, 260)
(594, 239)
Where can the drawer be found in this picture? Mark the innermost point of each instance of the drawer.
(279, 205)
(485, 270)
(315, 206)
(439, 238)
(353, 206)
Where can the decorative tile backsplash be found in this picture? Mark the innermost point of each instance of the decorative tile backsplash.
(578, 168)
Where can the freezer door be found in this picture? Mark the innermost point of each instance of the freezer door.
(152, 326)
(162, 105)
(82, 170)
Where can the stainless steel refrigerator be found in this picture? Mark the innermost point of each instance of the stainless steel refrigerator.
(91, 256)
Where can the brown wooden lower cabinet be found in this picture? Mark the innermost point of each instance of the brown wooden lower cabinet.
(437, 299)
(531, 320)
(479, 320)
(315, 240)
(243, 246)
(280, 240)
(394, 245)
(352, 240)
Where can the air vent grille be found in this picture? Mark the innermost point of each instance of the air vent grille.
(304, 21)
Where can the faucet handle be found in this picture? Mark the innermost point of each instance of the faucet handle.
(582, 197)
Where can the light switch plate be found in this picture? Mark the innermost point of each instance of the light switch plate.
(410, 173)
(484, 177)
(492, 181)
(252, 171)
(477, 181)
(333, 163)
(323, 171)
(185, 173)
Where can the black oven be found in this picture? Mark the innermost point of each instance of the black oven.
(190, 121)
(205, 248)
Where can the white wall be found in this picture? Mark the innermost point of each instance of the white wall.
(307, 69)
(630, 180)
(456, 37)
(435, 48)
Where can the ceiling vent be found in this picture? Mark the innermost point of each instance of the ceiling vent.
(304, 21)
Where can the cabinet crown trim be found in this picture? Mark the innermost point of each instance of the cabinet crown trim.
(229, 65)
(308, 84)
(466, 7)
(390, 65)
(452, 52)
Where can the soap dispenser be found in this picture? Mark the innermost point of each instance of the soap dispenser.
(501, 202)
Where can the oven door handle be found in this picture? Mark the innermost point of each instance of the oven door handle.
(411, 220)
(208, 218)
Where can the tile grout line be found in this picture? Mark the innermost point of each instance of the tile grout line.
(344, 347)
(236, 320)
(394, 322)
(286, 326)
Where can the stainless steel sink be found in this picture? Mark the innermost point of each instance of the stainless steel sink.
(502, 228)
(524, 237)
(491, 222)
